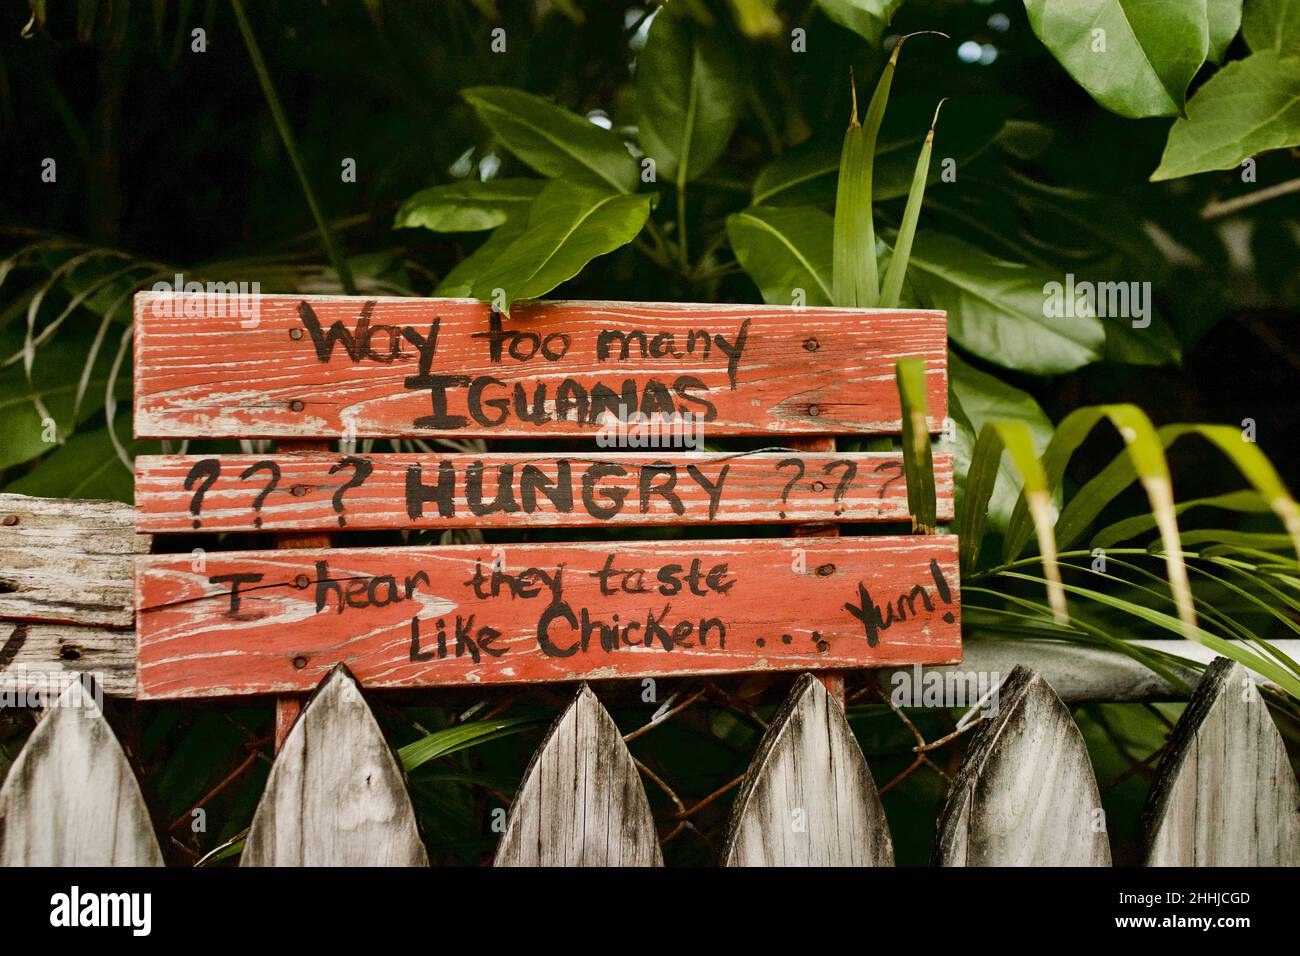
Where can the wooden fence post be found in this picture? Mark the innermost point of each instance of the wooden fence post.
(336, 795)
(1026, 794)
(1226, 794)
(808, 798)
(71, 798)
(581, 802)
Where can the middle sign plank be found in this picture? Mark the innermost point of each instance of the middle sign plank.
(212, 366)
(319, 491)
(274, 622)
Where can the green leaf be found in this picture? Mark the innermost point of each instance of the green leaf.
(783, 249)
(467, 206)
(568, 226)
(1224, 18)
(892, 288)
(866, 18)
(979, 399)
(1134, 57)
(1272, 25)
(1247, 501)
(918, 460)
(554, 141)
(87, 466)
(1249, 106)
(459, 282)
(996, 308)
(56, 375)
(448, 741)
(690, 89)
(805, 174)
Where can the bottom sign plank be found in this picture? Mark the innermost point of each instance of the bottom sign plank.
(274, 622)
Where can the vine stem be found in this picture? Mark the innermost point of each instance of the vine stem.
(286, 137)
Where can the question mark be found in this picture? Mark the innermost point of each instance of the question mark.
(268, 466)
(888, 465)
(208, 469)
(850, 472)
(785, 492)
(361, 469)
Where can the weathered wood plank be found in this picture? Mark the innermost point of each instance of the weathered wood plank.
(581, 802)
(808, 798)
(336, 795)
(300, 492)
(324, 366)
(277, 622)
(1225, 794)
(67, 561)
(1026, 794)
(71, 798)
(34, 656)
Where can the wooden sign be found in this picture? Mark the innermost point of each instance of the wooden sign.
(213, 366)
(277, 621)
(303, 492)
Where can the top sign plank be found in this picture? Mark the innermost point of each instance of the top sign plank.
(277, 366)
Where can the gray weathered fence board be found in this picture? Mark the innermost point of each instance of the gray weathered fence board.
(1026, 794)
(1225, 794)
(336, 795)
(67, 561)
(808, 798)
(71, 798)
(29, 652)
(581, 802)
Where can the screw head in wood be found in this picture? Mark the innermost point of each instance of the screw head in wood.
(814, 410)
(812, 345)
(10, 520)
(819, 486)
(295, 334)
(299, 662)
(301, 581)
(825, 570)
(296, 405)
(298, 490)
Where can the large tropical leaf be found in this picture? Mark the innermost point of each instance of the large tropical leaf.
(784, 249)
(1272, 25)
(1249, 106)
(568, 226)
(996, 308)
(552, 140)
(690, 90)
(467, 206)
(1134, 57)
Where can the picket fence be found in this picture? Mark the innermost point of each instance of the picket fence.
(1025, 794)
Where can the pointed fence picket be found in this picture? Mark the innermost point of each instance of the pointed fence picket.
(1226, 795)
(71, 798)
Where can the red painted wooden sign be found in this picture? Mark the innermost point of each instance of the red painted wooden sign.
(277, 621)
(303, 492)
(219, 366)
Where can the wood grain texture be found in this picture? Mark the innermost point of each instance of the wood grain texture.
(322, 366)
(44, 654)
(67, 561)
(417, 617)
(336, 795)
(71, 798)
(178, 493)
(1026, 794)
(581, 802)
(1225, 794)
(808, 798)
